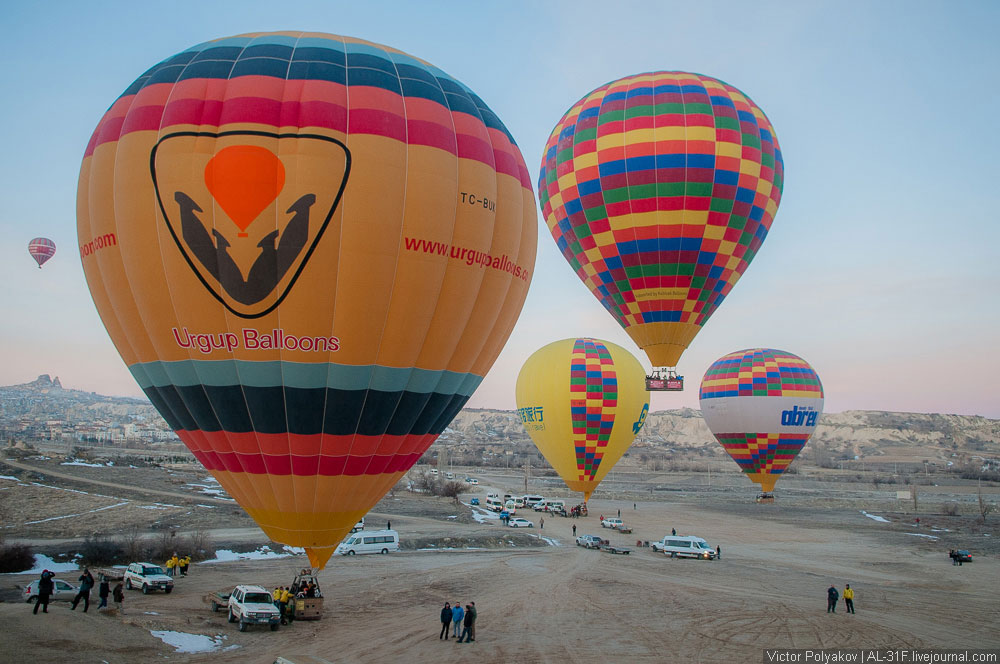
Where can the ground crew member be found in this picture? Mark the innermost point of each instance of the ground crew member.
(849, 598)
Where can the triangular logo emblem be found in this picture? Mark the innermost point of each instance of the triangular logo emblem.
(247, 208)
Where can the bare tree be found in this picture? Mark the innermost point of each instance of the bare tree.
(453, 490)
(984, 507)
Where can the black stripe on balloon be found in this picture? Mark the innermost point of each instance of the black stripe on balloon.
(304, 411)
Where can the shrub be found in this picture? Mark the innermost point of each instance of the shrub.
(950, 509)
(16, 558)
(98, 550)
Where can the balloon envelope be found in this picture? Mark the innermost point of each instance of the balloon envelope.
(309, 250)
(42, 249)
(582, 401)
(659, 189)
(762, 405)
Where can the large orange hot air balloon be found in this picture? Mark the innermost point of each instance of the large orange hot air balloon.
(309, 250)
(659, 189)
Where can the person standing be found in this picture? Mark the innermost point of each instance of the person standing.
(673, 531)
(170, 567)
(388, 525)
(619, 514)
(185, 562)
(475, 616)
(831, 599)
(45, 586)
(86, 583)
(467, 622)
(541, 523)
(718, 552)
(118, 594)
(103, 591)
(457, 614)
(849, 598)
(445, 621)
(574, 530)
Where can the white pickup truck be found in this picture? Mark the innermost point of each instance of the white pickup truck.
(253, 605)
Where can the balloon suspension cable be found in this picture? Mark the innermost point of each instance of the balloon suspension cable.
(664, 379)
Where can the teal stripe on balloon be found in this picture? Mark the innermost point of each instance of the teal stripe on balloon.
(220, 373)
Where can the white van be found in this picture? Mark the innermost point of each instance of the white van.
(546, 505)
(368, 541)
(495, 504)
(684, 546)
(531, 499)
(360, 525)
(519, 502)
(511, 507)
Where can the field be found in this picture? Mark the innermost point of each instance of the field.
(539, 597)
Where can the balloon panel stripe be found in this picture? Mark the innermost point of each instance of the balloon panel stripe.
(760, 372)
(764, 453)
(219, 373)
(593, 401)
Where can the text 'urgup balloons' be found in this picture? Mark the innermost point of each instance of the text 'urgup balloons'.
(762, 405)
(274, 229)
(659, 189)
(41, 249)
(582, 401)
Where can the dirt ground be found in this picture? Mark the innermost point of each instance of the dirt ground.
(554, 603)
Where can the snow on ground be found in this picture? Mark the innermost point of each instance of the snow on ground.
(8, 477)
(227, 555)
(43, 562)
(210, 490)
(932, 537)
(77, 462)
(482, 515)
(551, 541)
(876, 517)
(70, 516)
(191, 643)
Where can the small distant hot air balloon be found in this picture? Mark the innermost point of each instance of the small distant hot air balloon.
(309, 250)
(762, 405)
(41, 249)
(659, 189)
(582, 402)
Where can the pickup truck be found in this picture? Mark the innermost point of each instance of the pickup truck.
(590, 541)
(252, 605)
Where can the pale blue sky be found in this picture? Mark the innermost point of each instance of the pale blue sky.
(881, 269)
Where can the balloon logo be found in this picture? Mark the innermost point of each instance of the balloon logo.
(762, 405)
(582, 402)
(244, 179)
(41, 249)
(659, 189)
(275, 230)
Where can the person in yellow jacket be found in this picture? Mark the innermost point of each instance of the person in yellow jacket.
(276, 596)
(176, 563)
(170, 566)
(849, 598)
(185, 563)
(287, 606)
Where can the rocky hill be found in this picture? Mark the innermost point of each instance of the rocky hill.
(46, 399)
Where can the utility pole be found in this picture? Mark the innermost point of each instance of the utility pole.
(527, 471)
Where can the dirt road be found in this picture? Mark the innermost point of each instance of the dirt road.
(563, 603)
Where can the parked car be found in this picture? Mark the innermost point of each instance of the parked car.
(60, 590)
(474, 501)
(963, 556)
(684, 546)
(518, 522)
(590, 541)
(147, 577)
(611, 523)
(253, 605)
(471, 480)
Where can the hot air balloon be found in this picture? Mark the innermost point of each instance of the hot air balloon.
(41, 249)
(309, 250)
(582, 402)
(762, 405)
(659, 189)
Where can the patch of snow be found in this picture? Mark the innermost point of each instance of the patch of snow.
(454, 548)
(931, 537)
(875, 517)
(211, 507)
(8, 477)
(940, 530)
(264, 552)
(191, 643)
(453, 516)
(482, 515)
(548, 540)
(76, 462)
(43, 562)
(151, 613)
(70, 516)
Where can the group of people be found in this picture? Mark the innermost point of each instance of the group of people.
(284, 598)
(176, 564)
(832, 596)
(46, 587)
(463, 620)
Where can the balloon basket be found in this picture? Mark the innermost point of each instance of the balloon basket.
(765, 497)
(664, 380)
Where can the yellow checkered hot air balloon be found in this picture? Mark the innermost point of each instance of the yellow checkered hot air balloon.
(582, 402)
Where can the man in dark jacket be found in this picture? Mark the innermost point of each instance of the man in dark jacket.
(445, 621)
(86, 583)
(472, 630)
(831, 599)
(119, 596)
(45, 587)
(104, 589)
(467, 624)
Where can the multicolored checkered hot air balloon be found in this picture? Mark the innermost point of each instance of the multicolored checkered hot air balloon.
(309, 250)
(582, 402)
(762, 405)
(42, 249)
(659, 189)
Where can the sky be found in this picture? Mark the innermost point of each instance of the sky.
(882, 266)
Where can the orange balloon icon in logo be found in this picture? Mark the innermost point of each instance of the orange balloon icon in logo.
(582, 401)
(275, 229)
